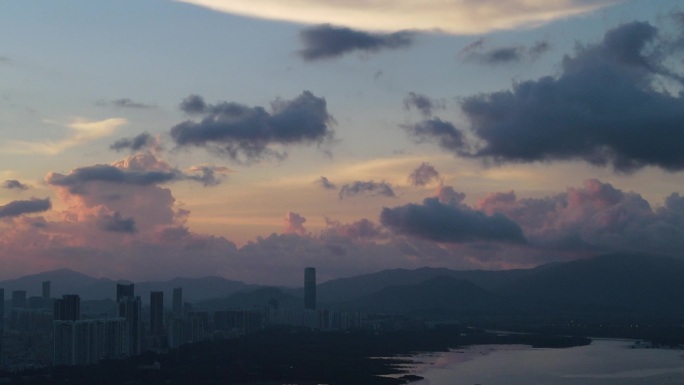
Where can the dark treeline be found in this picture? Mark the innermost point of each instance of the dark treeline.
(287, 356)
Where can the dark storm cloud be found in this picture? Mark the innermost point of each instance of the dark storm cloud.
(445, 133)
(193, 104)
(607, 107)
(424, 104)
(325, 183)
(439, 222)
(134, 144)
(116, 224)
(366, 188)
(327, 42)
(423, 175)
(478, 52)
(125, 103)
(16, 208)
(111, 174)
(246, 134)
(13, 184)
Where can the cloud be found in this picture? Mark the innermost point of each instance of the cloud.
(608, 107)
(209, 174)
(135, 143)
(328, 42)
(445, 133)
(249, 134)
(596, 217)
(82, 132)
(477, 52)
(439, 222)
(141, 169)
(362, 229)
(110, 174)
(194, 104)
(325, 183)
(115, 223)
(13, 184)
(423, 175)
(367, 188)
(456, 17)
(294, 224)
(424, 104)
(17, 208)
(125, 103)
(448, 196)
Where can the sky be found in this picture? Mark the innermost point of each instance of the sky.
(151, 139)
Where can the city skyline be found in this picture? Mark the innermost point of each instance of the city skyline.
(201, 138)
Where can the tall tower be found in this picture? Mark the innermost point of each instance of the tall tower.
(124, 291)
(157, 313)
(310, 288)
(46, 290)
(178, 302)
(68, 308)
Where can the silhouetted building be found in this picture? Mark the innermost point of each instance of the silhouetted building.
(124, 291)
(18, 299)
(89, 341)
(67, 309)
(177, 305)
(130, 309)
(310, 288)
(157, 313)
(46, 290)
(2, 311)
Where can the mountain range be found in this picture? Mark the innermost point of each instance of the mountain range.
(620, 283)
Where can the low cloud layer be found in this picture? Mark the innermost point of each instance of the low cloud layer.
(440, 222)
(13, 184)
(326, 183)
(370, 188)
(422, 103)
(21, 207)
(141, 169)
(611, 105)
(480, 52)
(328, 42)
(250, 134)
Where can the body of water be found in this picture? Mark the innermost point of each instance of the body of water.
(604, 362)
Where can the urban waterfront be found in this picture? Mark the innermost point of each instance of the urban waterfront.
(603, 362)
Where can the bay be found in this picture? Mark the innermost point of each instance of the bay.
(603, 362)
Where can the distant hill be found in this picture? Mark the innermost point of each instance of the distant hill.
(443, 295)
(635, 282)
(66, 281)
(257, 298)
(347, 289)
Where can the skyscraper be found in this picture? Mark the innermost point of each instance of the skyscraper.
(2, 311)
(130, 309)
(46, 290)
(310, 288)
(157, 313)
(178, 302)
(68, 308)
(124, 291)
(18, 299)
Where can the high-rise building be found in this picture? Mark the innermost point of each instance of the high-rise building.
(18, 299)
(130, 308)
(46, 290)
(2, 309)
(124, 291)
(157, 313)
(177, 302)
(68, 308)
(310, 288)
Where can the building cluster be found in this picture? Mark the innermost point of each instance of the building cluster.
(42, 331)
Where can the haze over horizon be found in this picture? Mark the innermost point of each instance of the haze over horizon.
(154, 139)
